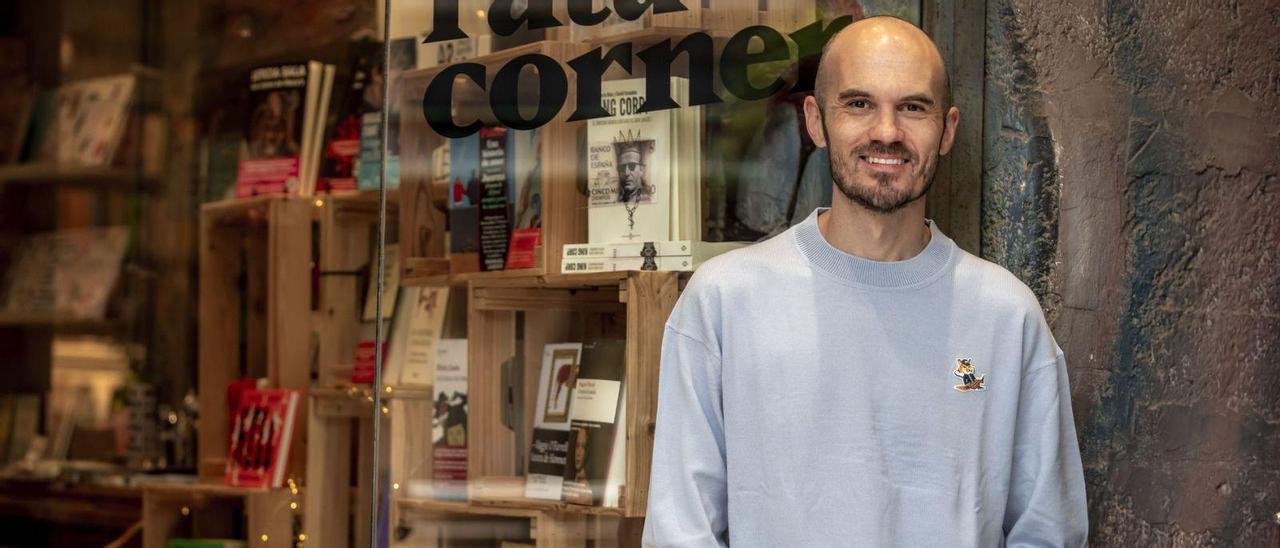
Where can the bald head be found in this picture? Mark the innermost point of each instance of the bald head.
(882, 39)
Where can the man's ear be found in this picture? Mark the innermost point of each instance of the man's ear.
(813, 121)
(949, 123)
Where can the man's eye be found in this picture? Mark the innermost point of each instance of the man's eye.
(911, 107)
(858, 103)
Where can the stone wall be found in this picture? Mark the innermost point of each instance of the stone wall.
(1131, 178)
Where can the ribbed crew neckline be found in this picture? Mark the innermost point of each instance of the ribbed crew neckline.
(927, 264)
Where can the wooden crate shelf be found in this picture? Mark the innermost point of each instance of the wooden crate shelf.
(267, 242)
(546, 525)
(115, 178)
(632, 305)
(340, 424)
(424, 199)
(267, 514)
(341, 432)
(347, 228)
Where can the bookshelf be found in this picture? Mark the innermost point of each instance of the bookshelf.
(563, 203)
(267, 242)
(210, 509)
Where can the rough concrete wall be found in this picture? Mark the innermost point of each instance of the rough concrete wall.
(1143, 135)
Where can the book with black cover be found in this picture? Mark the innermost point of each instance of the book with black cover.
(283, 129)
(495, 212)
(594, 421)
(357, 93)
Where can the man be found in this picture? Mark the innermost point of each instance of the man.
(632, 185)
(808, 391)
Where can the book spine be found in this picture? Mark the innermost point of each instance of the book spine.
(675, 248)
(670, 264)
(495, 221)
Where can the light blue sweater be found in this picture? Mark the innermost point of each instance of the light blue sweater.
(808, 397)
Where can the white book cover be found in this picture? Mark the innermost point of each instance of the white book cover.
(666, 264)
(629, 166)
(449, 421)
(617, 475)
(670, 248)
(315, 131)
(88, 121)
(315, 81)
(556, 381)
(555, 385)
(425, 307)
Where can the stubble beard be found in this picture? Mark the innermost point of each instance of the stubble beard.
(880, 198)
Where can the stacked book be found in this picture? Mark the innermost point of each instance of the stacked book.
(678, 256)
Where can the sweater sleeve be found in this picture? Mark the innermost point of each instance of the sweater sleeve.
(687, 490)
(1046, 506)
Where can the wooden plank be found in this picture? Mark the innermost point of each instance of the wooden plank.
(218, 339)
(556, 530)
(289, 289)
(289, 309)
(728, 16)
(159, 518)
(968, 80)
(958, 28)
(345, 251)
(422, 224)
(491, 340)
(364, 487)
(423, 506)
(270, 520)
(328, 502)
(788, 15)
(501, 298)
(651, 296)
(410, 453)
(246, 211)
(564, 205)
(257, 330)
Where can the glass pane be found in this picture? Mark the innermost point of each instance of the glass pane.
(557, 222)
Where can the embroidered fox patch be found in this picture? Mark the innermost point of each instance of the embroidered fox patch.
(969, 375)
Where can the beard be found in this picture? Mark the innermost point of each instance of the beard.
(880, 196)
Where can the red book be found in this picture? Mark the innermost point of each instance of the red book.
(261, 432)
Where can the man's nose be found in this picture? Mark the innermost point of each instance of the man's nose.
(886, 128)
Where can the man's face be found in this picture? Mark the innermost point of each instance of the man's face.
(631, 172)
(882, 119)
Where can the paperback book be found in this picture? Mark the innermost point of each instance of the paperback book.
(82, 123)
(449, 421)
(643, 168)
(464, 203)
(425, 308)
(550, 447)
(594, 422)
(67, 273)
(361, 91)
(287, 108)
(258, 452)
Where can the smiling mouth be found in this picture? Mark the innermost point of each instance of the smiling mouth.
(884, 160)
